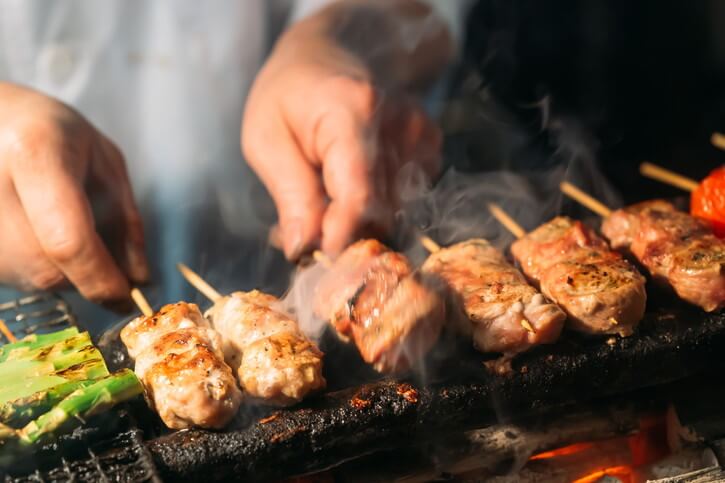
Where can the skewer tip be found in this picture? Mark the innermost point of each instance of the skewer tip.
(429, 244)
(141, 302)
(7, 332)
(322, 259)
(198, 283)
(585, 199)
(527, 325)
(505, 219)
(718, 140)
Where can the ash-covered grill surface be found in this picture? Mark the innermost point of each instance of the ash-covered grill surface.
(460, 394)
(110, 447)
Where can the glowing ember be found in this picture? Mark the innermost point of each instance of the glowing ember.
(566, 450)
(623, 473)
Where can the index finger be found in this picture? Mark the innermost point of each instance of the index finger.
(61, 217)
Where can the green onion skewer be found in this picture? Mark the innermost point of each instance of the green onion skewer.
(20, 411)
(83, 403)
(35, 341)
(86, 364)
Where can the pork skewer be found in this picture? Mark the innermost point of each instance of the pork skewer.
(495, 304)
(600, 291)
(180, 363)
(678, 250)
(274, 361)
(373, 296)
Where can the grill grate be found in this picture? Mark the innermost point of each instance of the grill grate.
(109, 448)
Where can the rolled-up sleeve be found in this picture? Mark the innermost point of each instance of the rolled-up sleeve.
(452, 12)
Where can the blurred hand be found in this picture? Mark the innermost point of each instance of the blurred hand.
(327, 129)
(53, 165)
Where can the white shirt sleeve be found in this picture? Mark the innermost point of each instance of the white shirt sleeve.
(452, 12)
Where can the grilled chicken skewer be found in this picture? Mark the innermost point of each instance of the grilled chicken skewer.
(678, 250)
(180, 363)
(496, 306)
(372, 295)
(274, 361)
(600, 291)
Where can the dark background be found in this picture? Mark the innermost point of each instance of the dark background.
(628, 80)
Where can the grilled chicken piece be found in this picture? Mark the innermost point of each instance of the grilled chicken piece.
(274, 360)
(600, 291)
(495, 298)
(678, 250)
(181, 365)
(372, 295)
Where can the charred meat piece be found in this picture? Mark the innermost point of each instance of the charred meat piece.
(501, 310)
(679, 250)
(180, 363)
(274, 360)
(372, 295)
(600, 291)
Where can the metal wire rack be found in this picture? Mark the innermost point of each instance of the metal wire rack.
(108, 448)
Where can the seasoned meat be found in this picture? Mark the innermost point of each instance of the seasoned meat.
(497, 303)
(678, 250)
(181, 365)
(600, 291)
(372, 295)
(274, 360)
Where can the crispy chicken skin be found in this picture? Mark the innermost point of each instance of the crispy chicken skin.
(372, 295)
(600, 291)
(274, 360)
(677, 249)
(494, 298)
(181, 365)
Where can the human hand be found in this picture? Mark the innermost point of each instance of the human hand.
(328, 129)
(55, 168)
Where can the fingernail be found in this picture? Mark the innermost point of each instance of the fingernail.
(293, 240)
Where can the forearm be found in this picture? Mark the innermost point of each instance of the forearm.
(401, 44)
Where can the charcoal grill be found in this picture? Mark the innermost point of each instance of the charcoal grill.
(383, 415)
(109, 448)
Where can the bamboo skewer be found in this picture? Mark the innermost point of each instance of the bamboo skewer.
(585, 199)
(322, 259)
(6, 332)
(505, 219)
(199, 283)
(429, 244)
(668, 177)
(718, 140)
(141, 302)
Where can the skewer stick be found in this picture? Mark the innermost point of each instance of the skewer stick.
(322, 259)
(198, 283)
(666, 176)
(429, 244)
(141, 302)
(718, 140)
(527, 325)
(6, 332)
(508, 222)
(578, 195)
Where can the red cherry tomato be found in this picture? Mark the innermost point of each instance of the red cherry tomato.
(708, 201)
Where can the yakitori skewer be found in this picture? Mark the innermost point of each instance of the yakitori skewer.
(678, 249)
(491, 297)
(718, 140)
(275, 362)
(179, 360)
(600, 291)
(141, 302)
(666, 176)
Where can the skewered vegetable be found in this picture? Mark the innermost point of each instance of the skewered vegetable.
(708, 201)
(34, 341)
(84, 403)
